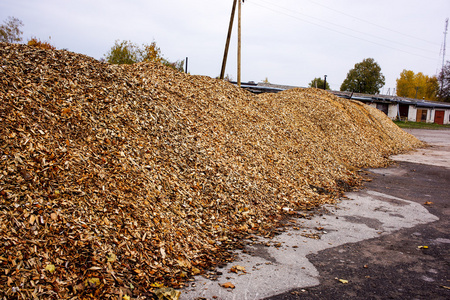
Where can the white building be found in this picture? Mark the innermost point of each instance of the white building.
(399, 108)
(396, 108)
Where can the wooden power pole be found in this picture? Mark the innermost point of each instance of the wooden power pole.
(227, 45)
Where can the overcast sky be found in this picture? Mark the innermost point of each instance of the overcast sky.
(288, 41)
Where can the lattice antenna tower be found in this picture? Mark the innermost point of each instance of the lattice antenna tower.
(445, 39)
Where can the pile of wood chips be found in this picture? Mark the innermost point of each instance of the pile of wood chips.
(118, 180)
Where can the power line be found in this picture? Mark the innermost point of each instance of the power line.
(334, 30)
(371, 23)
(350, 29)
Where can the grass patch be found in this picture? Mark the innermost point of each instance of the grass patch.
(420, 125)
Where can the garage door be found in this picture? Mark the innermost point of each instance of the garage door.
(421, 115)
(439, 117)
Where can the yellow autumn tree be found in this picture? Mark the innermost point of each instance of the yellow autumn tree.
(151, 53)
(35, 42)
(418, 85)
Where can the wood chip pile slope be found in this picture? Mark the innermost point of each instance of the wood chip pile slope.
(115, 180)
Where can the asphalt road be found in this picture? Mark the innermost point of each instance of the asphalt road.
(390, 240)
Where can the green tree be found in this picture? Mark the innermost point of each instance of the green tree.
(10, 30)
(124, 52)
(432, 88)
(444, 80)
(418, 85)
(177, 65)
(365, 77)
(318, 82)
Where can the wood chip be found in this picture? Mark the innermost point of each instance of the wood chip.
(129, 178)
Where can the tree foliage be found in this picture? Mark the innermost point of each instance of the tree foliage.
(418, 85)
(318, 83)
(126, 52)
(10, 30)
(365, 77)
(123, 52)
(177, 65)
(34, 42)
(150, 53)
(444, 80)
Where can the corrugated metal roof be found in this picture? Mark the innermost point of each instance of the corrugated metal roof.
(394, 99)
(260, 89)
(386, 99)
(432, 105)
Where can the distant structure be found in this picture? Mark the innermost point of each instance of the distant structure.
(396, 108)
(443, 51)
(445, 40)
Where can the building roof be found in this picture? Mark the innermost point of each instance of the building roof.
(392, 99)
(262, 87)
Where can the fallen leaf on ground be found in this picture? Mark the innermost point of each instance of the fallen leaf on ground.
(50, 267)
(112, 257)
(157, 285)
(228, 285)
(92, 282)
(167, 294)
(342, 280)
(196, 271)
(237, 269)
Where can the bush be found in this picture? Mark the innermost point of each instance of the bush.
(34, 42)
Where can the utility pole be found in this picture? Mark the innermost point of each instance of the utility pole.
(239, 46)
(227, 45)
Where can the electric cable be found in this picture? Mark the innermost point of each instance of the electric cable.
(334, 30)
(348, 28)
(371, 23)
